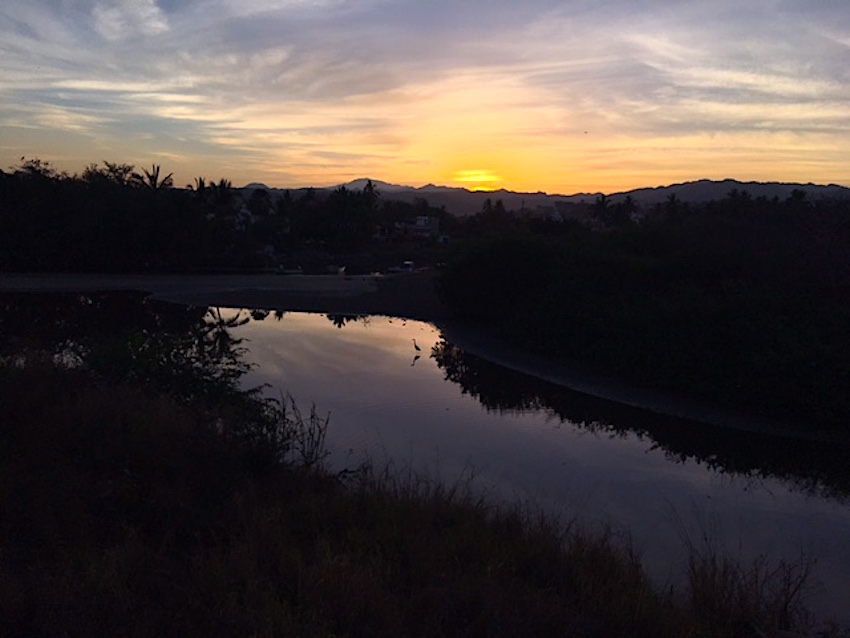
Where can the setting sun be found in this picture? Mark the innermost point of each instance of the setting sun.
(477, 180)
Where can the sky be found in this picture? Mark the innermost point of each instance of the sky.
(562, 97)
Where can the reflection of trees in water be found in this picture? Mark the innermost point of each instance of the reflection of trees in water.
(809, 466)
(341, 320)
(215, 331)
(499, 392)
(125, 336)
(262, 315)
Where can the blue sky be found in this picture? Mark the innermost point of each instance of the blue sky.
(556, 96)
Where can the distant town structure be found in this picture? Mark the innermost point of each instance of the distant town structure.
(420, 228)
(424, 227)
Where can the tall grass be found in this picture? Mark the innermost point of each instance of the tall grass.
(732, 595)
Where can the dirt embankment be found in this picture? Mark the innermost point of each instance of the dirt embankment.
(405, 295)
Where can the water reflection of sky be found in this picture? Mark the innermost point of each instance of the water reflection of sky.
(386, 406)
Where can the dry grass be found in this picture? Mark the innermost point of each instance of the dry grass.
(732, 596)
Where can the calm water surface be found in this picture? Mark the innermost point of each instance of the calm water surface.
(656, 478)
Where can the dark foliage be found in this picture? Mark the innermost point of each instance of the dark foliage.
(498, 277)
(113, 219)
(741, 301)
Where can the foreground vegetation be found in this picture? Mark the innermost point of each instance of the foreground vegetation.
(145, 494)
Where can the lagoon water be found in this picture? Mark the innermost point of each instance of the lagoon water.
(655, 480)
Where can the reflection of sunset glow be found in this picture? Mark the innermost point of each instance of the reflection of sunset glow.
(386, 335)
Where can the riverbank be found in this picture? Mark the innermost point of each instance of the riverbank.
(404, 295)
(410, 296)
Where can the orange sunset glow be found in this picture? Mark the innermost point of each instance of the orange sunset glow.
(477, 180)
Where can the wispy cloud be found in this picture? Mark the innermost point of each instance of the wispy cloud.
(118, 19)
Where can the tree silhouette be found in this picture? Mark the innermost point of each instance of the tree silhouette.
(371, 195)
(111, 173)
(36, 168)
(151, 179)
(215, 333)
(340, 320)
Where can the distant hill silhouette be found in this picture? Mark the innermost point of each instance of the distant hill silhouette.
(463, 202)
(705, 190)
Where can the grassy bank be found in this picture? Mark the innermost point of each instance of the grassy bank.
(127, 512)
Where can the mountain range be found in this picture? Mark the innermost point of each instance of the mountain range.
(463, 202)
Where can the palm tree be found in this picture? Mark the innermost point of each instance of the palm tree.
(150, 178)
(215, 337)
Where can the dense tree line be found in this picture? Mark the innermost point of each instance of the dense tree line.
(743, 301)
(113, 218)
(108, 218)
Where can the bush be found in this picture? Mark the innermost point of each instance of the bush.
(498, 277)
